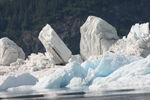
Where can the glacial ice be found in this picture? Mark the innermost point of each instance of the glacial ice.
(35, 62)
(111, 67)
(120, 67)
(110, 62)
(87, 64)
(56, 50)
(12, 81)
(61, 77)
(9, 51)
(139, 31)
(137, 42)
(96, 37)
(76, 58)
(131, 74)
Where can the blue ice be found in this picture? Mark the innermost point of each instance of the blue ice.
(110, 67)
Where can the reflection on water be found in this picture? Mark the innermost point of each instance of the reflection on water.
(80, 94)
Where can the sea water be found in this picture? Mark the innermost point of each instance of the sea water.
(82, 93)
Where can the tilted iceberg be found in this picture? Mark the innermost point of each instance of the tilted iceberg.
(56, 50)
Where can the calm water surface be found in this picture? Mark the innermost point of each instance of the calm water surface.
(79, 94)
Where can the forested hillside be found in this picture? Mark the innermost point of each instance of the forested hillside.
(22, 20)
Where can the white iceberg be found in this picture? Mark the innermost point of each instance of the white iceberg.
(56, 50)
(139, 31)
(9, 51)
(96, 37)
(12, 81)
(137, 42)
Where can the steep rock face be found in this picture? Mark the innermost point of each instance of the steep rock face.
(56, 50)
(136, 43)
(96, 37)
(9, 51)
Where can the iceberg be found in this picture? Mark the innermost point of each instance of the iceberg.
(111, 67)
(126, 63)
(76, 82)
(131, 74)
(87, 65)
(9, 51)
(137, 42)
(56, 50)
(76, 58)
(61, 77)
(139, 31)
(98, 32)
(12, 81)
(111, 62)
